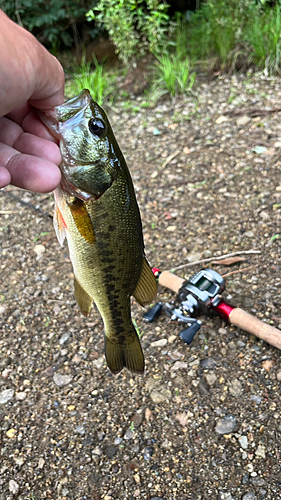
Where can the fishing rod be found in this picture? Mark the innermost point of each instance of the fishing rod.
(201, 294)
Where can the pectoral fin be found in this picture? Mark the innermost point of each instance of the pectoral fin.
(146, 288)
(83, 299)
(59, 225)
(82, 220)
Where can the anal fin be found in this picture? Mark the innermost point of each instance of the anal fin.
(146, 289)
(83, 299)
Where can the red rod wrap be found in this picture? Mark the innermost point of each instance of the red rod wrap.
(223, 310)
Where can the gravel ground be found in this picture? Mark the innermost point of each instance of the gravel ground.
(204, 422)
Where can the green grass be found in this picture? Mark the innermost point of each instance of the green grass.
(173, 75)
(264, 38)
(99, 82)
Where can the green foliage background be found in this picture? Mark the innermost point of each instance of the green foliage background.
(53, 22)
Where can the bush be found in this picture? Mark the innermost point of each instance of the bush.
(134, 26)
(264, 37)
(217, 28)
(53, 22)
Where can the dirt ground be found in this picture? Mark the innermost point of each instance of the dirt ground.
(204, 422)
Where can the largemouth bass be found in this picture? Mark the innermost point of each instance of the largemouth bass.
(96, 210)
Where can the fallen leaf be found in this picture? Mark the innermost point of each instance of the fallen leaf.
(173, 126)
(148, 415)
(229, 262)
(182, 418)
(167, 216)
(267, 365)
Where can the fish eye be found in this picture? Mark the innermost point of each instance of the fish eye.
(96, 127)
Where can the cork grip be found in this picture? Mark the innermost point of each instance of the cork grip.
(171, 281)
(253, 325)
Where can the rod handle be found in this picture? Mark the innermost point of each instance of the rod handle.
(171, 281)
(255, 326)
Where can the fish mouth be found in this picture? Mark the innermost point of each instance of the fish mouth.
(70, 108)
(54, 118)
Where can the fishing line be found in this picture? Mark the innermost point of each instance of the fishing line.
(25, 203)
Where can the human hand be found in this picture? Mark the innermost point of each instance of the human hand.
(30, 78)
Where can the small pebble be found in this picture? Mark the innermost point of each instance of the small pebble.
(226, 425)
(208, 363)
(128, 434)
(225, 496)
(98, 363)
(64, 338)
(235, 388)
(260, 451)
(80, 429)
(20, 396)
(39, 249)
(147, 453)
(179, 365)
(11, 433)
(243, 441)
(61, 380)
(243, 120)
(249, 496)
(256, 399)
(13, 487)
(211, 378)
(110, 451)
(159, 343)
(6, 396)
(160, 396)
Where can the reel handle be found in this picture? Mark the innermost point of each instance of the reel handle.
(237, 316)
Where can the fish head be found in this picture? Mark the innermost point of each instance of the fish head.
(88, 147)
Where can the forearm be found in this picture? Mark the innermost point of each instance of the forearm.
(28, 72)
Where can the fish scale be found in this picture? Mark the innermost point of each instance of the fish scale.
(96, 210)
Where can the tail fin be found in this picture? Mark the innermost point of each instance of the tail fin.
(124, 351)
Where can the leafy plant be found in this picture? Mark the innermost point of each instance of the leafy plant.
(134, 26)
(97, 81)
(53, 22)
(217, 28)
(173, 75)
(264, 37)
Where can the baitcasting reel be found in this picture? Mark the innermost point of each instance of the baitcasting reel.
(198, 295)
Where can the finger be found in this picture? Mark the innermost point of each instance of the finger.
(5, 177)
(50, 91)
(36, 146)
(29, 172)
(12, 135)
(9, 131)
(32, 123)
(27, 118)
